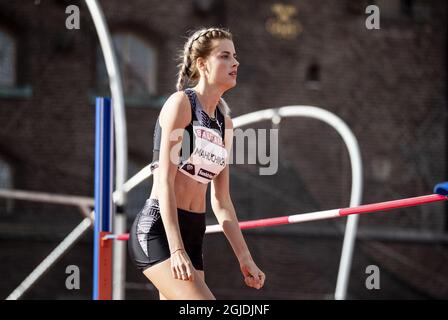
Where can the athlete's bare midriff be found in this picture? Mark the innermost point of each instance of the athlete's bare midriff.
(190, 194)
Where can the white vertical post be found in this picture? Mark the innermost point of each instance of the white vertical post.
(104, 37)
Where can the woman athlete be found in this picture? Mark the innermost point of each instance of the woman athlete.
(192, 140)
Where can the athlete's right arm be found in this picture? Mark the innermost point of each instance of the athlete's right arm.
(174, 117)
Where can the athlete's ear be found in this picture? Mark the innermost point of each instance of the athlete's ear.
(201, 64)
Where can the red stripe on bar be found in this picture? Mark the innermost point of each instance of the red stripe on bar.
(388, 205)
(124, 237)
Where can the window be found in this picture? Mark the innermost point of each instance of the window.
(6, 205)
(7, 60)
(137, 60)
(313, 76)
(407, 7)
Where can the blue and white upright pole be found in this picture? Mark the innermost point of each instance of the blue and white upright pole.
(104, 205)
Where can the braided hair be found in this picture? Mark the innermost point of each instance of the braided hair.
(199, 44)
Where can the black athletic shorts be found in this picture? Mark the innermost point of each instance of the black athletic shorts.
(148, 244)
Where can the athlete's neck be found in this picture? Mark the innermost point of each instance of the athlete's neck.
(208, 97)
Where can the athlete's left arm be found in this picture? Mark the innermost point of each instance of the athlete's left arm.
(225, 213)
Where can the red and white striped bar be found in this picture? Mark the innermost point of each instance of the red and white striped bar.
(321, 215)
(122, 237)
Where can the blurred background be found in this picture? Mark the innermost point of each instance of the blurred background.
(388, 85)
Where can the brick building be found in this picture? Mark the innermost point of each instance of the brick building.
(388, 85)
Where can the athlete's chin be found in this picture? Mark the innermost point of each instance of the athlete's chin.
(230, 84)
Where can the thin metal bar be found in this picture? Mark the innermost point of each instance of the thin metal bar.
(46, 197)
(51, 259)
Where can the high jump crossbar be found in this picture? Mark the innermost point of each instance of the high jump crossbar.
(321, 215)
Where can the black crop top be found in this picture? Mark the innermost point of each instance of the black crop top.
(203, 154)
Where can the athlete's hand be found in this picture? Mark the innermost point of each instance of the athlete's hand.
(181, 267)
(253, 276)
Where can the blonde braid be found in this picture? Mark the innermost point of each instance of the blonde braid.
(184, 74)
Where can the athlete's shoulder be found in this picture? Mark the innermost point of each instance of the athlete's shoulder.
(176, 109)
(228, 122)
(177, 99)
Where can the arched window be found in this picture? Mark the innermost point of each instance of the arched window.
(8, 52)
(137, 59)
(6, 182)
